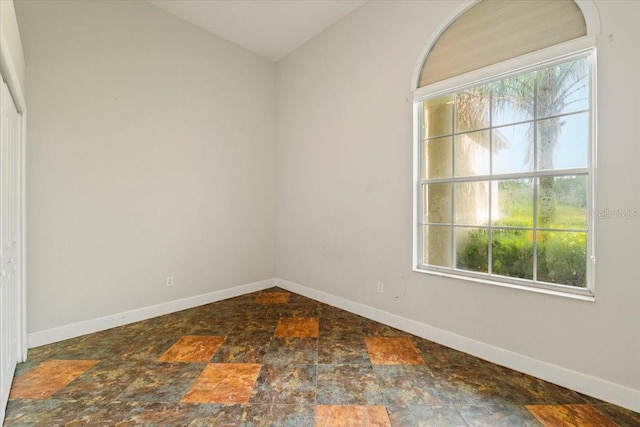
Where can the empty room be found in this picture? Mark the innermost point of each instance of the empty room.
(320, 212)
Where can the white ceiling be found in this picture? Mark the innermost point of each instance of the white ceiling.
(270, 28)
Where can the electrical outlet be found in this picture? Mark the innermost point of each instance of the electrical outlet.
(380, 287)
(169, 281)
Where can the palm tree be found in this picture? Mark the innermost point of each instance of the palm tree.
(544, 94)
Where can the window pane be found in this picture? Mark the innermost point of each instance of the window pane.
(512, 148)
(472, 249)
(563, 88)
(437, 158)
(513, 100)
(437, 245)
(512, 253)
(562, 257)
(562, 202)
(504, 176)
(472, 109)
(472, 154)
(471, 203)
(438, 116)
(512, 203)
(437, 203)
(563, 142)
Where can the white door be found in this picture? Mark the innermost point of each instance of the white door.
(10, 241)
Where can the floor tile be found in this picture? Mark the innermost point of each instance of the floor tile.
(229, 383)
(341, 328)
(192, 415)
(301, 299)
(164, 414)
(192, 348)
(79, 348)
(297, 327)
(285, 384)
(144, 348)
(249, 337)
(376, 329)
(570, 415)
(253, 324)
(103, 383)
(539, 391)
(45, 412)
(292, 310)
(257, 415)
(243, 349)
(72, 413)
(38, 355)
(273, 289)
(441, 358)
(318, 356)
(164, 382)
(393, 351)
(623, 417)
(272, 298)
(43, 381)
(351, 416)
(407, 385)
(296, 351)
(329, 312)
(348, 385)
(497, 416)
(432, 416)
(342, 351)
(471, 386)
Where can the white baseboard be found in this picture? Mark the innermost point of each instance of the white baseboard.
(597, 387)
(48, 336)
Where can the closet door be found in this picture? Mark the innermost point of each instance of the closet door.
(10, 217)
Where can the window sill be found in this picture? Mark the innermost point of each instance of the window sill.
(582, 294)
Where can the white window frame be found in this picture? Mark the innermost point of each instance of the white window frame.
(580, 47)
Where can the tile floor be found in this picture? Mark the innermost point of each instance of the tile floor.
(275, 358)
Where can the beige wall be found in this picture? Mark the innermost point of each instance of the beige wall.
(344, 211)
(151, 153)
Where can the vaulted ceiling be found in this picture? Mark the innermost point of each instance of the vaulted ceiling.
(270, 28)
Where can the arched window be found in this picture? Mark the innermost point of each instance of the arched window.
(504, 113)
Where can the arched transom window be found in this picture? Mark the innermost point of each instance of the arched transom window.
(504, 104)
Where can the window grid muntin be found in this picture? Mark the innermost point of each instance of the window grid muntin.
(535, 174)
(535, 181)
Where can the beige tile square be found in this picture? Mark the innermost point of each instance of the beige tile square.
(351, 416)
(224, 383)
(297, 327)
(49, 377)
(192, 348)
(393, 351)
(272, 298)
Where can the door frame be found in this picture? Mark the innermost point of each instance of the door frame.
(9, 74)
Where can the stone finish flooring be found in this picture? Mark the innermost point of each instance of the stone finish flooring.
(275, 358)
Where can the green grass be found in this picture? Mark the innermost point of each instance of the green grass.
(561, 256)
